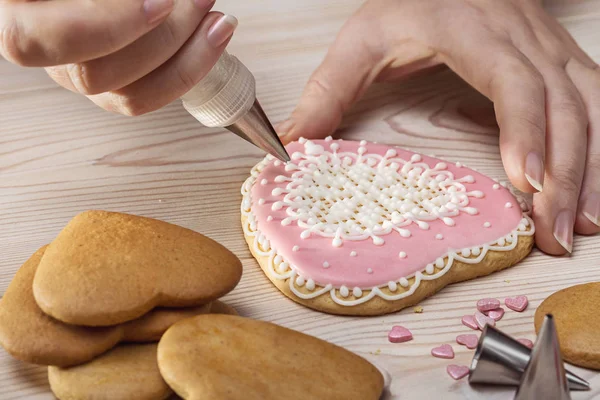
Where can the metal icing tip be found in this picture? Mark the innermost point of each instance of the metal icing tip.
(544, 376)
(255, 127)
(501, 360)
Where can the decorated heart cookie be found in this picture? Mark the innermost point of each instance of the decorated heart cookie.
(106, 268)
(30, 335)
(363, 228)
(575, 312)
(125, 372)
(227, 357)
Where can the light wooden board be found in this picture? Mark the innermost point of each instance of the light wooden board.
(60, 155)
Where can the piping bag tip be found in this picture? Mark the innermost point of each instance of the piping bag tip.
(255, 127)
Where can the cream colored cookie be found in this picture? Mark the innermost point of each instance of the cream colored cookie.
(107, 268)
(358, 228)
(213, 357)
(125, 372)
(32, 336)
(575, 311)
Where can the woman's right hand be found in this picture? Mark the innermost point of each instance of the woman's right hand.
(129, 57)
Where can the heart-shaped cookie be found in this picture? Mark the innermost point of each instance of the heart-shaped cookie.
(361, 228)
(125, 372)
(227, 357)
(106, 268)
(30, 335)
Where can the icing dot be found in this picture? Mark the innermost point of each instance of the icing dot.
(344, 292)
(357, 292)
(363, 143)
(486, 224)
(465, 252)
(392, 286)
(378, 241)
(337, 242)
(261, 201)
(295, 248)
(501, 241)
(439, 263)
(300, 281)
(369, 270)
(403, 282)
(415, 158)
(325, 264)
(310, 284)
(458, 165)
(283, 266)
(328, 139)
(476, 251)
(495, 186)
(302, 140)
(508, 205)
(277, 163)
(439, 236)
(264, 182)
(269, 218)
(402, 254)
(278, 259)
(521, 227)
(352, 253)
(429, 268)
(305, 234)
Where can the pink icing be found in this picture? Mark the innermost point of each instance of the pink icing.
(372, 265)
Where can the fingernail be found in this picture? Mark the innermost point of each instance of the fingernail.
(221, 30)
(591, 208)
(157, 9)
(285, 127)
(563, 229)
(534, 170)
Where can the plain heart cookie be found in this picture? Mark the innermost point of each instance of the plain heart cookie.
(32, 336)
(125, 372)
(226, 357)
(575, 311)
(107, 268)
(359, 228)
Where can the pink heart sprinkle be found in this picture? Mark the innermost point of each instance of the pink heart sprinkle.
(399, 334)
(457, 372)
(526, 342)
(469, 340)
(496, 314)
(443, 351)
(488, 304)
(483, 320)
(469, 320)
(518, 303)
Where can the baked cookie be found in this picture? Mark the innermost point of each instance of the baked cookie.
(234, 358)
(575, 311)
(32, 336)
(125, 372)
(107, 268)
(218, 307)
(366, 229)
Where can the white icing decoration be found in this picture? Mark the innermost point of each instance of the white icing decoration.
(362, 196)
(402, 254)
(486, 224)
(352, 253)
(277, 163)
(439, 236)
(261, 247)
(269, 218)
(369, 270)
(328, 139)
(465, 252)
(261, 201)
(264, 182)
(310, 285)
(392, 286)
(429, 269)
(357, 292)
(326, 264)
(295, 248)
(495, 186)
(508, 205)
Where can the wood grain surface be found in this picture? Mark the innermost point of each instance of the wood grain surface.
(60, 155)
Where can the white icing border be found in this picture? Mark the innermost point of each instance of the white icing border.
(288, 271)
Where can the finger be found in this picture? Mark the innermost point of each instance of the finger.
(554, 209)
(503, 74)
(587, 81)
(43, 33)
(136, 60)
(178, 75)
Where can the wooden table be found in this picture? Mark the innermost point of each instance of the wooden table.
(60, 155)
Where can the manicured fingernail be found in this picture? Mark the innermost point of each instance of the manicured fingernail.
(591, 208)
(221, 30)
(534, 170)
(157, 9)
(285, 127)
(563, 229)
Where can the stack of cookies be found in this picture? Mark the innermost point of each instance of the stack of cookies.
(107, 281)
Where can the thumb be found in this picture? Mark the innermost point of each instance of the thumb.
(344, 75)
